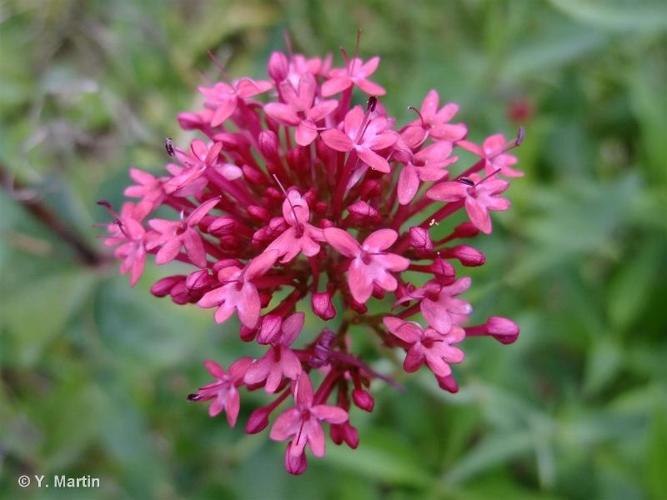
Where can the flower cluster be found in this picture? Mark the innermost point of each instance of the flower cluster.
(295, 198)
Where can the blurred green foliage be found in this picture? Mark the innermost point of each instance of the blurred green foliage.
(93, 374)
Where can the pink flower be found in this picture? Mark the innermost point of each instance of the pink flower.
(279, 361)
(148, 188)
(223, 391)
(171, 236)
(300, 109)
(363, 135)
(442, 309)
(223, 98)
(238, 292)
(427, 346)
(427, 165)
(480, 196)
(290, 201)
(493, 152)
(370, 264)
(128, 235)
(302, 424)
(436, 121)
(300, 237)
(356, 72)
(202, 157)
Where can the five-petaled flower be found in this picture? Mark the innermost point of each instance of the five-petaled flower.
(370, 264)
(223, 391)
(302, 423)
(427, 345)
(223, 98)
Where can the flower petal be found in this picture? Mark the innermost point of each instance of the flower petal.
(342, 241)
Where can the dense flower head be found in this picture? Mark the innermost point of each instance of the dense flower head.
(297, 196)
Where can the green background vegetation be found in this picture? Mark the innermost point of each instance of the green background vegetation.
(93, 374)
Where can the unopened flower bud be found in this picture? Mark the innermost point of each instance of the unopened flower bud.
(420, 239)
(268, 144)
(162, 287)
(502, 329)
(466, 255)
(270, 329)
(278, 67)
(448, 384)
(323, 306)
(258, 420)
(363, 399)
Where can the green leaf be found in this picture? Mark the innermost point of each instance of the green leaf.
(629, 290)
(493, 450)
(37, 312)
(621, 15)
(381, 459)
(657, 455)
(604, 361)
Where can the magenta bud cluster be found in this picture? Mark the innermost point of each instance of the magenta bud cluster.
(294, 200)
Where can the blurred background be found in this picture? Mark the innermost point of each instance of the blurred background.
(94, 374)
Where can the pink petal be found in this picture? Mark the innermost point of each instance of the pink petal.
(214, 368)
(249, 305)
(380, 240)
(414, 358)
(223, 312)
(233, 404)
(408, 184)
(373, 160)
(342, 241)
(198, 214)
(437, 365)
(307, 89)
(337, 140)
(248, 88)
(449, 132)
(306, 133)
(223, 111)
(286, 425)
(304, 392)
(392, 262)
(137, 268)
(229, 171)
(194, 247)
(291, 327)
(371, 88)
(261, 264)
(370, 66)
(217, 406)
(274, 378)
(168, 252)
(359, 282)
(353, 120)
(259, 369)
(383, 140)
(289, 363)
(213, 298)
(315, 437)
(430, 104)
(331, 414)
(447, 112)
(282, 113)
(335, 85)
(478, 215)
(448, 191)
(436, 315)
(321, 110)
(404, 330)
